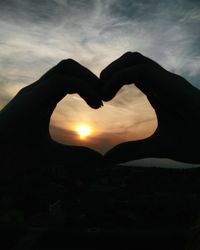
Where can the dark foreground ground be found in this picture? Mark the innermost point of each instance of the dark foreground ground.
(117, 207)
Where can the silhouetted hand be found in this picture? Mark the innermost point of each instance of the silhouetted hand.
(176, 103)
(24, 121)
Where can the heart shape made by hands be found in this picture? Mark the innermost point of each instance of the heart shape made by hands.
(162, 90)
(24, 126)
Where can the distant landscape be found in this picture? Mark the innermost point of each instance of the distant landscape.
(55, 206)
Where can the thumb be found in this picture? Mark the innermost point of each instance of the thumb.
(82, 160)
(133, 150)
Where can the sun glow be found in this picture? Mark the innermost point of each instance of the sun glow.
(83, 131)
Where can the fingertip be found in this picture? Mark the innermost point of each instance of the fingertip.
(95, 105)
(106, 98)
(113, 156)
(93, 101)
(133, 150)
(110, 160)
(94, 158)
(107, 94)
(91, 97)
(124, 152)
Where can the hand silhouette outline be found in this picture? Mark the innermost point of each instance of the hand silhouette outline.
(176, 103)
(24, 126)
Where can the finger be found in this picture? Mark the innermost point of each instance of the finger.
(68, 76)
(56, 86)
(133, 150)
(157, 83)
(134, 74)
(160, 86)
(125, 61)
(69, 67)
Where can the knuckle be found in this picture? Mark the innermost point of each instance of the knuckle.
(24, 90)
(136, 56)
(128, 54)
(136, 53)
(67, 62)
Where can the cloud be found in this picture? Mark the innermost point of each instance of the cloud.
(40, 34)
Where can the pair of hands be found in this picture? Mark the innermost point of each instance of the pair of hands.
(24, 121)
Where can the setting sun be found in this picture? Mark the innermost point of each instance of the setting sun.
(83, 131)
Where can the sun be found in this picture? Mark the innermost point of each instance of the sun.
(83, 131)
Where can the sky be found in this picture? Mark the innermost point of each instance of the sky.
(36, 35)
